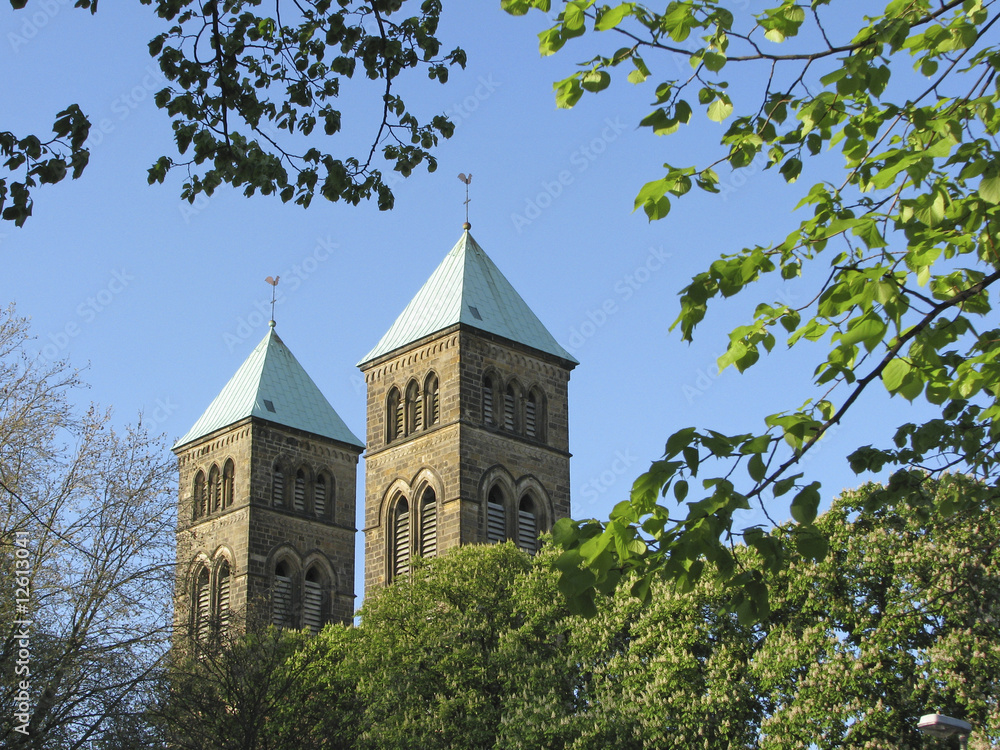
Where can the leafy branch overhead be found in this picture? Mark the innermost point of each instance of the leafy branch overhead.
(247, 91)
(254, 95)
(900, 249)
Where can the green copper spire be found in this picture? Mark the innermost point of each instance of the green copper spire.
(272, 385)
(468, 288)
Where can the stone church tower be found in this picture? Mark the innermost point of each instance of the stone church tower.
(266, 518)
(468, 425)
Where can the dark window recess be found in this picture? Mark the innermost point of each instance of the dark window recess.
(269, 406)
(475, 313)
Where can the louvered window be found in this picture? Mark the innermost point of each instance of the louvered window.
(202, 606)
(222, 608)
(496, 518)
(393, 416)
(527, 526)
(428, 525)
(312, 601)
(508, 408)
(401, 539)
(281, 597)
(414, 408)
(214, 489)
(200, 499)
(300, 490)
(531, 415)
(228, 473)
(432, 396)
(319, 497)
(488, 401)
(278, 487)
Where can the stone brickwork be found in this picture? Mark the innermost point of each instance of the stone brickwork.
(463, 456)
(253, 533)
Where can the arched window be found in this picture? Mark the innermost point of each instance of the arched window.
(527, 525)
(496, 516)
(228, 474)
(393, 416)
(200, 495)
(214, 489)
(510, 407)
(534, 415)
(488, 392)
(414, 408)
(281, 596)
(222, 597)
(202, 605)
(278, 487)
(312, 600)
(401, 538)
(432, 400)
(299, 496)
(322, 497)
(428, 524)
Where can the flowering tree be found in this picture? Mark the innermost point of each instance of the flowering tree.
(476, 649)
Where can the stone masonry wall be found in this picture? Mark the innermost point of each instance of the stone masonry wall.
(250, 532)
(461, 452)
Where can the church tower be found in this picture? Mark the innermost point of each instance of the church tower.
(266, 516)
(468, 423)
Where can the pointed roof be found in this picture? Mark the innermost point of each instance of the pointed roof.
(468, 288)
(272, 385)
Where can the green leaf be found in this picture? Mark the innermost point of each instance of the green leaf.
(868, 330)
(811, 543)
(893, 374)
(678, 441)
(653, 199)
(805, 505)
(720, 109)
(568, 92)
(680, 490)
(989, 188)
(613, 16)
(595, 80)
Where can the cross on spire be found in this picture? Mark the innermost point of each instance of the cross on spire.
(466, 179)
(273, 281)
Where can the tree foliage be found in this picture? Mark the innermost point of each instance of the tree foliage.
(243, 691)
(253, 97)
(477, 649)
(900, 249)
(86, 522)
(899, 620)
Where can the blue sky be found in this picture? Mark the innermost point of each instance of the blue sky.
(161, 301)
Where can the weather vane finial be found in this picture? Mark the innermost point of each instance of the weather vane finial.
(466, 179)
(273, 281)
